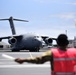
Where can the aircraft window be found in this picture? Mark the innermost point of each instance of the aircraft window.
(36, 36)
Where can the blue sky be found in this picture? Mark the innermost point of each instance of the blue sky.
(46, 17)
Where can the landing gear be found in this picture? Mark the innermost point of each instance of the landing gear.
(15, 50)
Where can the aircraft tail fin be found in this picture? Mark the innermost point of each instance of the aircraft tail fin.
(12, 23)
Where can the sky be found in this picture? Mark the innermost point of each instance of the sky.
(46, 17)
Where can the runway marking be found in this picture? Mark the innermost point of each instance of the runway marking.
(1, 63)
(24, 66)
(25, 53)
(4, 59)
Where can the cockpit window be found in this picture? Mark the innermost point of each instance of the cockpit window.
(36, 36)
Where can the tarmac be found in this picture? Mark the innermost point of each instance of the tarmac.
(9, 67)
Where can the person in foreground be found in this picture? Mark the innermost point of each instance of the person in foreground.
(62, 59)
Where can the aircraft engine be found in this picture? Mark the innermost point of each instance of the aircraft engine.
(48, 41)
(12, 40)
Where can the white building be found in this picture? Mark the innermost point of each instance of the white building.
(4, 45)
(72, 43)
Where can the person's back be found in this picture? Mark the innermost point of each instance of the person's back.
(64, 59)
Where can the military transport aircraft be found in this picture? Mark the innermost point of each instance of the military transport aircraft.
(29, 42)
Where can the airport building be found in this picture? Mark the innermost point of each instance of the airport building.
(72, 43)
(4, 45)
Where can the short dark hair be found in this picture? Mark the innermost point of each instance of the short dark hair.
(62, 40)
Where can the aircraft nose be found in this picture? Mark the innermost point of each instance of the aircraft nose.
(39, 39)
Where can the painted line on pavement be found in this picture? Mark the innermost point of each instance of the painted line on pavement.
(25, 53)
(24, 66)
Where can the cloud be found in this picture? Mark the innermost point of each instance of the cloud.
(48, 1)
(42, 1)
(72, 3)
(66, 16)
(51, 1)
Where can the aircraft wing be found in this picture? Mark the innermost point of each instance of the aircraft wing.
(7, 37)
(48, 40)
(44, 37)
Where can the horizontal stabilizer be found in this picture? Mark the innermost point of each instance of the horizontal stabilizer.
(11, 18)
(3, 19)
(20, 20)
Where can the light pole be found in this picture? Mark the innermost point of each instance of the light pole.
(66, 32)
